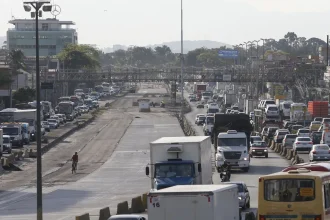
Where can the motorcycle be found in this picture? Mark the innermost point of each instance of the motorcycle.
(224, 176)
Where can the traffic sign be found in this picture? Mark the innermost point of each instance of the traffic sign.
(46, 85)
(228, 53)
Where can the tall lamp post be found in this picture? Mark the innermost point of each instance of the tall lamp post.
(263, 66)
(182, 61)
(38, 6)
(257, 41)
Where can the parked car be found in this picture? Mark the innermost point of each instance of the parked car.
(302, 144)
(319, 152)
(259, 149)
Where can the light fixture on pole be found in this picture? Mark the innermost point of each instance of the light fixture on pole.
(39, 6)
(263, 66)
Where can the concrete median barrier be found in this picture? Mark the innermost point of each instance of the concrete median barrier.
(122, 208)
(26, 153)
(104, 213)
(11, 158)
(272, 146)
(137, 205)
(83, 217)
(284, 151)
(289, 154)
(19, 155)
(144, 200)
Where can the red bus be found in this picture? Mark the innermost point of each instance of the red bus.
(312, 166)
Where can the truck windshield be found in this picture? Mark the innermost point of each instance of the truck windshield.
(10, 131)
(286, 106)
(213, 110)
(210, 121)
(65, 108)
(174, 170)
(232, 142)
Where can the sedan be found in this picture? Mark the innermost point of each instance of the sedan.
(259, 149)
(303, 132)
(200, 105)
(53, 123)
(56, 118)
(288, 140)
(197, 116)
(127, 217)
(46, 125)
(201, 120)
(319, 152)
(193, 99)
(302, 144)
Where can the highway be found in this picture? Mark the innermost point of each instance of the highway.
(113, 153)
(258, 166)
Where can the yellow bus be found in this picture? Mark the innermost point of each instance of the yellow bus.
(299, 194)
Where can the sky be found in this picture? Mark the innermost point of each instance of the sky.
(144, 22)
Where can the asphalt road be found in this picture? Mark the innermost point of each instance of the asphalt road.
(258, 166)
(113, 152)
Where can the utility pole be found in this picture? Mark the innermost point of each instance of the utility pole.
(263, 66)
(38, 12)
(182, 62)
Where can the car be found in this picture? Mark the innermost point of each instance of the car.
(53, 123)
(243, 194)
(193, 99)
(280, 134)
(294, 128)
(200, 105)
(201, 120)
(62, 118)
(302, 144)
(303, 132)
(319, 152)
(127, 217)
(316, 137)
(259, 149)
(271, 131)
(255, 139)
(45, 125)
(96, 104)
(288, 140)
(56, 118)
(197, 116)
(315, 125)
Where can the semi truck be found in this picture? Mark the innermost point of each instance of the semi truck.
(231, 139)
(199, 88)
(194, 202)
(180, 161)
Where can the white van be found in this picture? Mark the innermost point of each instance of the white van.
(233, 147)
(272, 111)
(285, 108)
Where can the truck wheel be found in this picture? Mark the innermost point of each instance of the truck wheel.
(246, 169)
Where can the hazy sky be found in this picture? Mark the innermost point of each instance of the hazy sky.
(142, 22)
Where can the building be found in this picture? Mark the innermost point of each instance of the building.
(53, 34)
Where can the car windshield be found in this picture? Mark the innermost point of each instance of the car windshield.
(304, 131)
(174, 170)
(289, 190)
(321, 147)
(232, 142)
(316, 123)
(256, 139)
(52, 121)
(272, 108)
(272, 129)
(303, 139)
(270, 103)
(259, 144)
(6, 140)
(283, 132)
(291, 136)
(201, 118)
(317, 134)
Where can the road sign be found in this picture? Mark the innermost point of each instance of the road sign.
(46, 85)
(228, 53)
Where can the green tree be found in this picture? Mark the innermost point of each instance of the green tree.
(16, 61)
(5, 78)
(80, 57)
(24, 95)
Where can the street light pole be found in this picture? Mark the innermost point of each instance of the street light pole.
(182, 61)
(38, 12)
(263, 66)
(257, 87)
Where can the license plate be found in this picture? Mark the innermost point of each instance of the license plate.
(259, 152)
(304, 144)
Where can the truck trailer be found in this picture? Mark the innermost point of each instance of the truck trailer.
(194, 202)
(180, 161)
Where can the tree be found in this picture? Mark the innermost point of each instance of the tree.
(5, 79)
(16, 61)
(80, 57)
(24, 95)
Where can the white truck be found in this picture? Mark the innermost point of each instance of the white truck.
(180, 161)
(15, 131)
(208, 125)
(230, 99)
(194, 202)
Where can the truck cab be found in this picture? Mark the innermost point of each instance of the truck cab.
(233, 147)
(208, 125)
(14, 130)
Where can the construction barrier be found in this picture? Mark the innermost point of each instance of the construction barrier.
(104, 213)
(83, 217)
(284, 152)
(137, 205)
(122, 208)
(289, 154)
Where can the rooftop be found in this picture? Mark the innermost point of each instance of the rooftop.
(48, 20)
(179, 140)
(193, 189)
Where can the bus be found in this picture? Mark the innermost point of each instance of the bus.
(63, 99)
(299, 194)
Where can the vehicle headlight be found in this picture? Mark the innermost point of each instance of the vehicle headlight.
(265, 150)
(245, 158)
(253, 150)
(219, 157)
(240, 198)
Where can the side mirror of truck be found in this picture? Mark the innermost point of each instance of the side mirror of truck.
(147, 171)
(199, 167)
